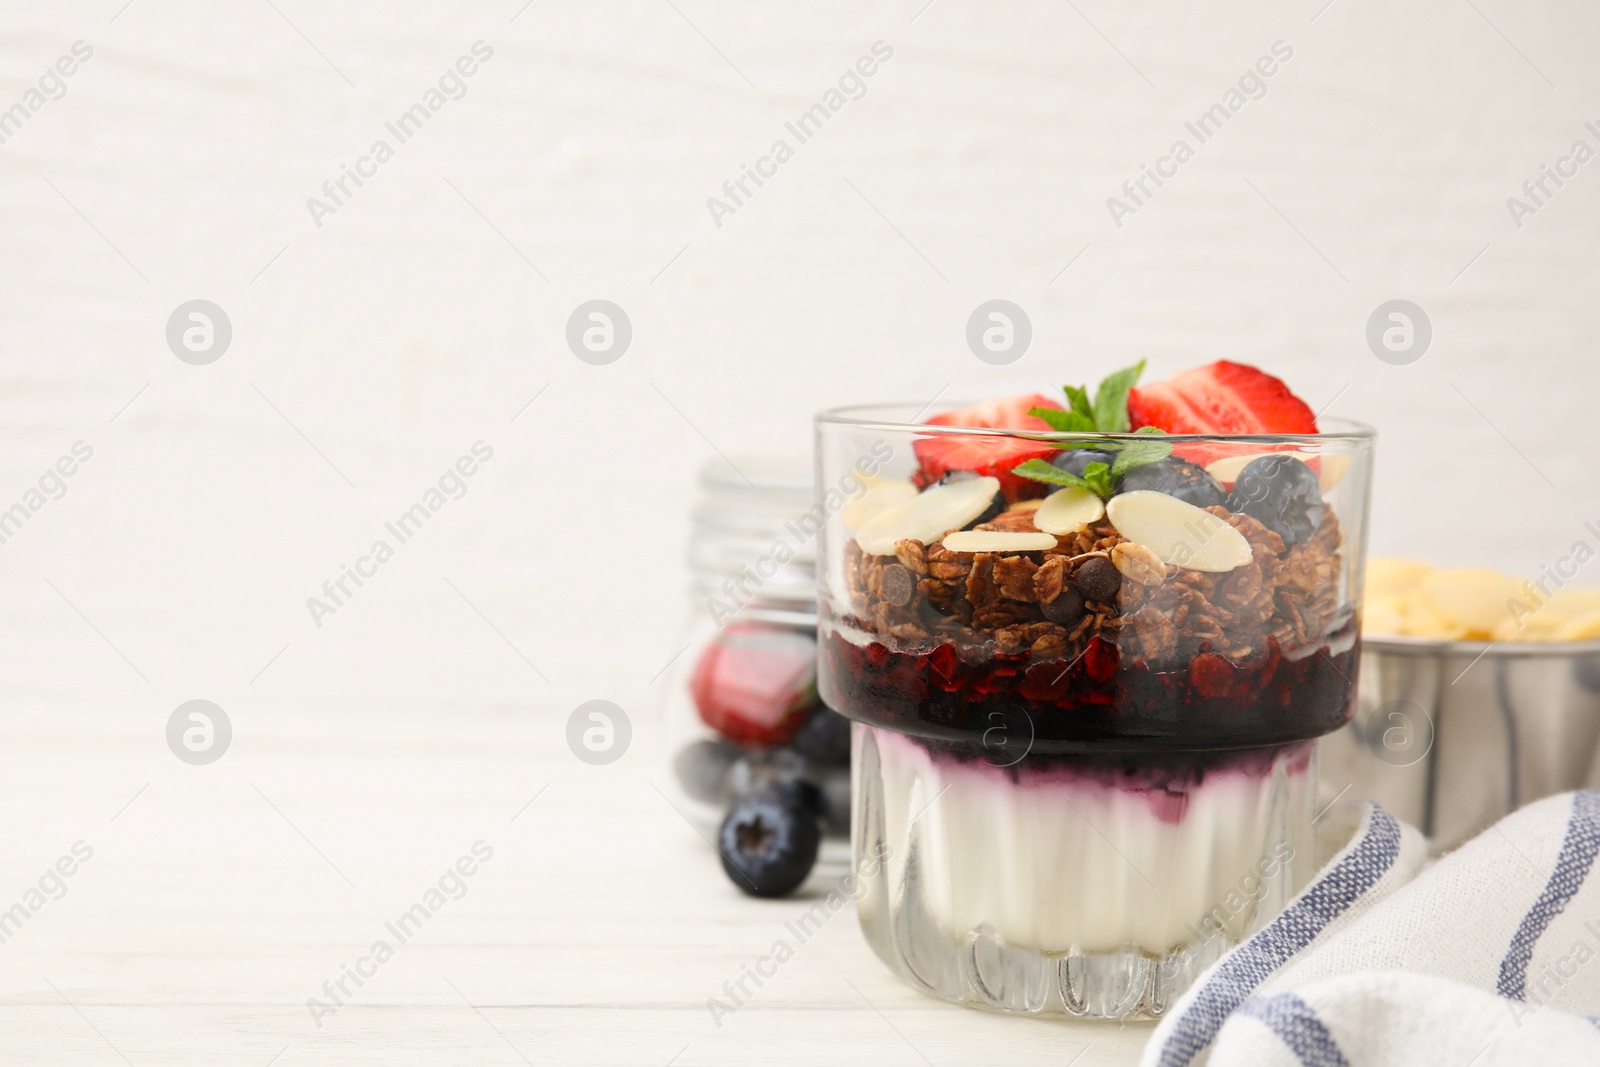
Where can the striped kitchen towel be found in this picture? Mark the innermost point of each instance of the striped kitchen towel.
(1490, 955)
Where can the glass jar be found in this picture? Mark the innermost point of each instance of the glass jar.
(1084, 759)
(742, 711)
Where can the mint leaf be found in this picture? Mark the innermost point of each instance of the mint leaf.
(1137, 454)
(1111, 398)
(1098, 478)
(1064, 421)
(1041, 471)
(1078, 400)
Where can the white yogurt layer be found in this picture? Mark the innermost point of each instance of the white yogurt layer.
(1063, 861)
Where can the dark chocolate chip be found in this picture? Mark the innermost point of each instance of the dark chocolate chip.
(900, 585)
(1097, 579)
(1066, 609)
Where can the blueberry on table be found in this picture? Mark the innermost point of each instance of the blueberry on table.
(702, 769)
(1282, 493)
(1176, 477)
(769, 840)
(824, 738)
(756, 770)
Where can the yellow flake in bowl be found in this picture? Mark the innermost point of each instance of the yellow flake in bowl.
(1475, 598)
(1390, 576)
(1411, 598)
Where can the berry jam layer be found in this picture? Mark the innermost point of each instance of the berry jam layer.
(1072, 855)
(997, 706)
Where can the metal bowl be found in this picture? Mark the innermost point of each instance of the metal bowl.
(1453, 735)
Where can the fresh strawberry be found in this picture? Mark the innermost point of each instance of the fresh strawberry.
(988, 456)
(755, 684)
(1220, 398)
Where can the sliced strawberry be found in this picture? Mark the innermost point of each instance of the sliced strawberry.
(1220, 398)
(755, 684)
(989, 456)
(1008, 414)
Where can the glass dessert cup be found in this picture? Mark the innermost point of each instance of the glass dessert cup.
(1084, 759)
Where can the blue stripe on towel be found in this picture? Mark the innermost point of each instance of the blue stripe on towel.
(1254, 961)
(1578, 850)
(1297, 1026)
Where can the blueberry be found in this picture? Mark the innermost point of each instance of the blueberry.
(1281, 493)
(824, 738)
(803, 792)
(758, 769)
(996, 506)
(702, 769)
(1073, 460)
(769, 841)
(1189, 482)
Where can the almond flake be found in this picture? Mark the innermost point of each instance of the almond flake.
(1068, 510)
(875, 500)
(929, 515)
(998, 541)
(1138, 563)
(1179, 533)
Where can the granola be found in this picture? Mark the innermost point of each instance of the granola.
(1030, 602)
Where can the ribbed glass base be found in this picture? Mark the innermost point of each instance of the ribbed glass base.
(1051, 889)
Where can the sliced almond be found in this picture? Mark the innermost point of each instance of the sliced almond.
(879, 497)
(1068, 510)
(1331, 470)
(1138, 563)
(928, 516)
(1180, 534)
(998, 541)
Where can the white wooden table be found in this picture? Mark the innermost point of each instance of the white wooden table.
(218, 899)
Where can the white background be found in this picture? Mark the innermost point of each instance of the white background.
(406, 328)
(369, 353)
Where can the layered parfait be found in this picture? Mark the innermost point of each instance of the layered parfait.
(1087, 644)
